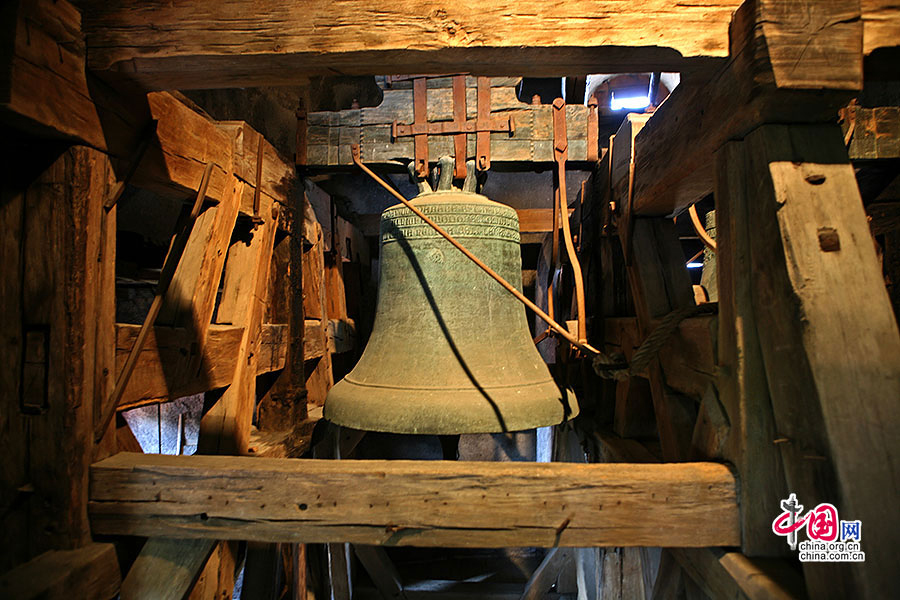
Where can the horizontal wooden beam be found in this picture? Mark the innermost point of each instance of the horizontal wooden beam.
(416, 503)
(88, 572)
(161, 372)
(243, 43)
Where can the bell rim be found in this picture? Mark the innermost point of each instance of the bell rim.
(362, 407)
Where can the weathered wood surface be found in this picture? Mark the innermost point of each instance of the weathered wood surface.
(161, 373)
(241, 44)
(225, 428)
(166, 569)
(833, 375)
(185, 141)
(872, 132)
(881, 24)
(790, 63)
(278, 174)
(49, 289)
(381, 570)
(415, 503)
(724, 574)
(40, 67)
(88, 572)
(742, 383)
(330, 134)
(191, 297)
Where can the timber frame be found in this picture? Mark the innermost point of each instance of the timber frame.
(790, 386)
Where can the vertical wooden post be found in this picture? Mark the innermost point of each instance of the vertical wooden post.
(742, 384)
(284, 406)
(830, 361)
(49, 291)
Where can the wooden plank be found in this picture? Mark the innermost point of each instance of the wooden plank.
(88, 572)
(545, 575)
(279, 175)
(873, 133)
(159, 376)
(43, 88)
(204, 49)
(784, 57)
(382, 571)
(226, 426)
(166, 569)
(833, 376)
(742, 385)
(191, 297)
(51, 285)
(413, 503)
(185, 141)
(881, 24)
(315, 340)
(536, 220)
(216, 580)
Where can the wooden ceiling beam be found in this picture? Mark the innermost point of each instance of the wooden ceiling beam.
(433, 503)
(239, 43)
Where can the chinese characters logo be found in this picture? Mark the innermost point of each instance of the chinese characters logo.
(829, 538)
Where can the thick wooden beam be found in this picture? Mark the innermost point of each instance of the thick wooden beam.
(166, 569)
(160, 375)
(742, 381)
(44, 90)
(49, 288)
(244, 44)
(225, 428)
(790, 63)
(89, 572)
(415, 503)
(832, 369)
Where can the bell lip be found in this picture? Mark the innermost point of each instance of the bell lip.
(445, 412)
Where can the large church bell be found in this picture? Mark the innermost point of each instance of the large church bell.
(450, 350)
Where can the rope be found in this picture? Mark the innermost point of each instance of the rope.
(614, 366)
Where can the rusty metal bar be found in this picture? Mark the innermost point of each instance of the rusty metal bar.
(459, 118)
(700, 229)
(420, 117)
(561, 154)
(562, 331)
(483, 115)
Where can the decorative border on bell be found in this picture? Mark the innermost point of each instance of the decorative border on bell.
(458, 219)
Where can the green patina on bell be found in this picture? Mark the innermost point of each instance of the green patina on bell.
(450, 350)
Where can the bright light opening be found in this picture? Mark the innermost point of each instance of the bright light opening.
(695, 265)
(628, 102)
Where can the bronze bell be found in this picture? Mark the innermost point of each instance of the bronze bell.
(450, 350)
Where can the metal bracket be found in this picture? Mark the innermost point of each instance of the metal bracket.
(482, 126)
